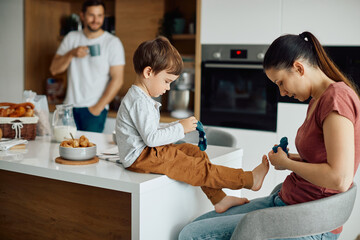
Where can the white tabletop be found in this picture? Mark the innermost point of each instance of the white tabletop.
(39, 159)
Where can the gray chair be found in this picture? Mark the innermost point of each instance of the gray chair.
(214, 137)
(297, 220)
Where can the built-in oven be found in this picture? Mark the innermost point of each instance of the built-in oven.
(235, 92)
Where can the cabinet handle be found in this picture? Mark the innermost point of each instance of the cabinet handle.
(238, 66)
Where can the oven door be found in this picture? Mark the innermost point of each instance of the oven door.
(238, 95)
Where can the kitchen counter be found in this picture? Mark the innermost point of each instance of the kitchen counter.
(160, 206)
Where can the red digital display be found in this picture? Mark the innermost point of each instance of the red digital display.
(238, 53)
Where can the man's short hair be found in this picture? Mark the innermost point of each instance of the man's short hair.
(158, 54)
(89, 3)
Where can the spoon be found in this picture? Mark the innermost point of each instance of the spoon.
(72, 136)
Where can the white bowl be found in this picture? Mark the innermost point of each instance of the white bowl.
(80, 153)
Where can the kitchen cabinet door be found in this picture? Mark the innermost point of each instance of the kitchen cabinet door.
(240, 22)
(333, 22)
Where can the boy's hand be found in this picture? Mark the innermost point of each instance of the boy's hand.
(189, 124)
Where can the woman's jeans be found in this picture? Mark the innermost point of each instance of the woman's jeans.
(214, 225)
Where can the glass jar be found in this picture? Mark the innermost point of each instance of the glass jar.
(63, 122)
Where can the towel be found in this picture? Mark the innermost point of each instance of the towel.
(5, 145)
(109, 158)
(202, 136)
(110, 155)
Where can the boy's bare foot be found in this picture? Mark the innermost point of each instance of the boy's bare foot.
(259, 173)
(228, 202)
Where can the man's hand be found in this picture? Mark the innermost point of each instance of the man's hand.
(189, 124)
(60, 63)
(96, 111)
(80, 52)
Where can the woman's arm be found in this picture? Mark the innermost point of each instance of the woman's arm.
(338, 172)
(294, 156)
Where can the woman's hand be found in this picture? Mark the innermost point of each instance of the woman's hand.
(189, 124)
(279, 160)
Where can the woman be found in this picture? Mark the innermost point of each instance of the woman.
(327, 142)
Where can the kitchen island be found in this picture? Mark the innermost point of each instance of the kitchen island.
(41, 199)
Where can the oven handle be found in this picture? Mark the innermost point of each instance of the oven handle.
(239, 66)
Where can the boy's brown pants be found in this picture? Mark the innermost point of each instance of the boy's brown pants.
(185, 162)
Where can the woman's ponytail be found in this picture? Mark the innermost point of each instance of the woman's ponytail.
(326, 64)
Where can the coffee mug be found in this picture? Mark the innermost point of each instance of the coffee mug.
(179, 25)
(94, 50)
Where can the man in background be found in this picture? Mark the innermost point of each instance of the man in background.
(95, 62)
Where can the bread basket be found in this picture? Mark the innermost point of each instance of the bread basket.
(19, 127)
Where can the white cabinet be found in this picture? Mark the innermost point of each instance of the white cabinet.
(333, 22)
(240, 22)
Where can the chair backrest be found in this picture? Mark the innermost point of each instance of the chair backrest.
(297, 220)
(220, 138)
(214, 137)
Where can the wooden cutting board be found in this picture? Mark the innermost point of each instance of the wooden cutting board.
(76, 162)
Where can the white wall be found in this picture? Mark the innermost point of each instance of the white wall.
(11, 50)
(333, 22)
(245, 21)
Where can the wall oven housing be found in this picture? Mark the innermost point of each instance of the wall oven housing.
(235, 92)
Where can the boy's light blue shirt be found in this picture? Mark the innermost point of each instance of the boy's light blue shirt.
(138, 126)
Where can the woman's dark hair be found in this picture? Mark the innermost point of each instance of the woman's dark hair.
(288, 48)
(158, 54)
(89, 3)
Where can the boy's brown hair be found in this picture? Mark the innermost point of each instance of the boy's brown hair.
(158, 54)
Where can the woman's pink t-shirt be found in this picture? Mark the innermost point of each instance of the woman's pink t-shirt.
(340, 98)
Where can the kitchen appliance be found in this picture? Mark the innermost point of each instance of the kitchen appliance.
(181, 94)
(235, 92)
(347, 58)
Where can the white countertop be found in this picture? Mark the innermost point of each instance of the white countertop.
(39, 160)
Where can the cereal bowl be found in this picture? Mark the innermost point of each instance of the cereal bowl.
(79, 153)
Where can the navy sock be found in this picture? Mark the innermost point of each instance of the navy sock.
(283, 144)
(202, 136)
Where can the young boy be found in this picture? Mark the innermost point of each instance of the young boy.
(146, 147)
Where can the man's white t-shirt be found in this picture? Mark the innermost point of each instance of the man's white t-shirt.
(89, 76)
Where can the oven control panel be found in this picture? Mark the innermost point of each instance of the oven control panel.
(233, 53)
